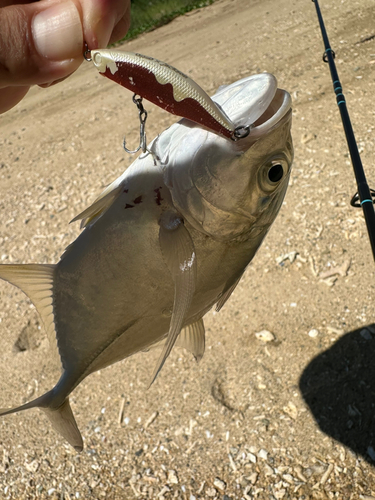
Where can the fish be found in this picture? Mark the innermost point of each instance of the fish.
(163, 244)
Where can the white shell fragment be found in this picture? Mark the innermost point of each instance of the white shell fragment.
(265, 336)
(263, 454)
(172, 477)
(313, 333)
(218, 483)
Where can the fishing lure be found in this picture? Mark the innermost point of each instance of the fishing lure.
(167, 87)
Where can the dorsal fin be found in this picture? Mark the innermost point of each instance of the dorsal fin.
(91, 214)
(36, 281)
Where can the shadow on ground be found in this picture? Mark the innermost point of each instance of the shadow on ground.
(339, 387)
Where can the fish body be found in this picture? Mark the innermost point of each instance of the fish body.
(163, 244)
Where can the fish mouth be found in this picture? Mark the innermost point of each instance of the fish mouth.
(278, 111)
(255, 102)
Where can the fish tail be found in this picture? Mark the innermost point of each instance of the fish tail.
(36, 281)
(61, 418)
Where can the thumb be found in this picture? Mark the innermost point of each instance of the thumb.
(40, 42)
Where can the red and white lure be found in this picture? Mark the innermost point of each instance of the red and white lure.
(166, 87)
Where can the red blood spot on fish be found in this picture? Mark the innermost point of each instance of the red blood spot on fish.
(126, 190)
(158, 197)
(138, 200)
(129, 206)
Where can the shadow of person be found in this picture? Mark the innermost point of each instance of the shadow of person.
(339, 387)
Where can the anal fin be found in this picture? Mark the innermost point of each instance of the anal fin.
(192, 338)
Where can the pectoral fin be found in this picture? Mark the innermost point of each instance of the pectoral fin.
(192, 338)
(100, 205)
(179, 254)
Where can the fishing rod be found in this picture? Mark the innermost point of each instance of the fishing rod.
(364, 197)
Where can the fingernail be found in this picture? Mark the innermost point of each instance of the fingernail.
(57, 32)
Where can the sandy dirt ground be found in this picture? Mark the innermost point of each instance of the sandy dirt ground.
(293, 418)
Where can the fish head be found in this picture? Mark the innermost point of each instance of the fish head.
(233, 189)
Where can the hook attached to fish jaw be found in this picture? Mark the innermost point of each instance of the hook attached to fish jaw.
(166, 87)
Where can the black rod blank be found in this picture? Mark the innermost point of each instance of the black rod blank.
(364, 192)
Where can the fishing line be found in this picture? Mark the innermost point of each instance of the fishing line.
(365, 196)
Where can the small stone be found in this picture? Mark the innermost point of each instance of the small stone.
(290, 255)
(263, 454)
(288, 478)
(172, 477)
(211, 492)
(164, 490)
(313, 333)
(32, 466)
(253, 477)
(265, 336)
(365, 334)
(280, 494)
(219, 484)
(252, 458)
(336, 331)
(268, 471)
(291, 410)
(371, 453)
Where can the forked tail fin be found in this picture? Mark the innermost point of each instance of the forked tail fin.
(36, 280)
(61, 418)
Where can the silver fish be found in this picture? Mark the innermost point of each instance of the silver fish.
(163, 244)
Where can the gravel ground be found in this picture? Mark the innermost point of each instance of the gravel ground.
(287, 414)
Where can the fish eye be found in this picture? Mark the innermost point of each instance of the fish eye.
(272, 172)
(276, 172)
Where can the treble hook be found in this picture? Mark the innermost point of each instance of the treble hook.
(142, 131)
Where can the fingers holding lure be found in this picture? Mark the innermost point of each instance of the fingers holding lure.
(166, 87)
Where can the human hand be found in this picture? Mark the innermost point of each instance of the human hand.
(42, 42)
